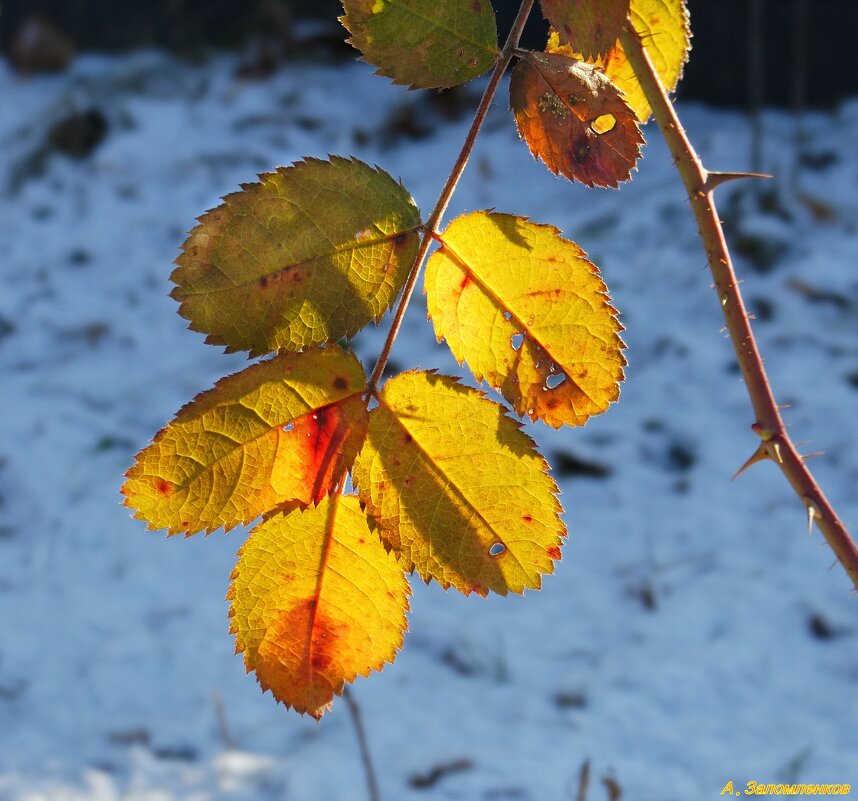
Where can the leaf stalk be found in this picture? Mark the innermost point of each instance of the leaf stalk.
(769, 425)
(443, 201)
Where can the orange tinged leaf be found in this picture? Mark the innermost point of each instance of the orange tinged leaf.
(310, 254)
(590, 26)
(529, 313)
(457, 488)
(663, 27)
(424, 44)
(283, 430)
(574, 119)
(316, 602)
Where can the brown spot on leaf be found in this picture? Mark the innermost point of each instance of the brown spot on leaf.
(163, 487)
(553, 552)
(340, 383)
(527, 518)
(465, 281)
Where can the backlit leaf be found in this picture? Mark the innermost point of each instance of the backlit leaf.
(530, 315)
(309, 254)
(424, 43)
(316, 602)
(663, 27)
(574, 119)
(282, 430)
(590, 26)
(457, 489)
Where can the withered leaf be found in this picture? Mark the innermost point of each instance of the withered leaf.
(574, 119)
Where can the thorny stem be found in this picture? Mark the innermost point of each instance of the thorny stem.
(354, 711)
(769, 426)
(431, 227)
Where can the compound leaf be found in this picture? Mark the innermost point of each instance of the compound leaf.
(590, 26)
(663, 27)
(457, 488)
(316, 601)
(574, 119)
(309, 254)
(529, 313)
(282, 430)
(425, 44)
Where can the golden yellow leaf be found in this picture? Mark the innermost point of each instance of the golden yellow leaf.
(316, 602)
(424, 44)
(308, 255)
(529, 313)
(285, 429)
(590, 26)
(457, 488)
(663, 27)
(574, 119)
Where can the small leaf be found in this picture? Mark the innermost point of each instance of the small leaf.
(425, 44)
(663, 27)
(574, 119)
(590, 26)
(282, 430)
(457, 489)
(316, 602)
(530, 315)
(308, 255)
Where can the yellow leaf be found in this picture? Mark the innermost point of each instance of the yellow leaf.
(590, 26)
(425, 44)
(663, 27)
(457, 489)
(308, 255)
(530, 315)
(282, 430)
(574, 119)
(316, 602)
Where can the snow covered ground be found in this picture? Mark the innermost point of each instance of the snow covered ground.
(693, 633)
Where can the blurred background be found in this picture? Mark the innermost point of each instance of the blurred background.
(693, 633)
(775, 52)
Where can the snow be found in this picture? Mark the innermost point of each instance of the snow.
(673, 647)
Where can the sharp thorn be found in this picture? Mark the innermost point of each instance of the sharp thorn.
(757, 456)
(807, 456)
(715, 179)
(812, 513)
(776, 447)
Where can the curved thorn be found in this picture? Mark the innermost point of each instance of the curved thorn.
(757, 456)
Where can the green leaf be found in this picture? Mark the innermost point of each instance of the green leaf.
(425, 44)
(457, 488)
(282, 430)
(310, 254)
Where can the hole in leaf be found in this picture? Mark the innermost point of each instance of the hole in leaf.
(603, 124)
(507, 315)
(497, 549)
(516, 341)
(289, 426)
(555, 380)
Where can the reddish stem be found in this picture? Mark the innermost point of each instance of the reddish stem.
(431, 227)
(769, 426)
